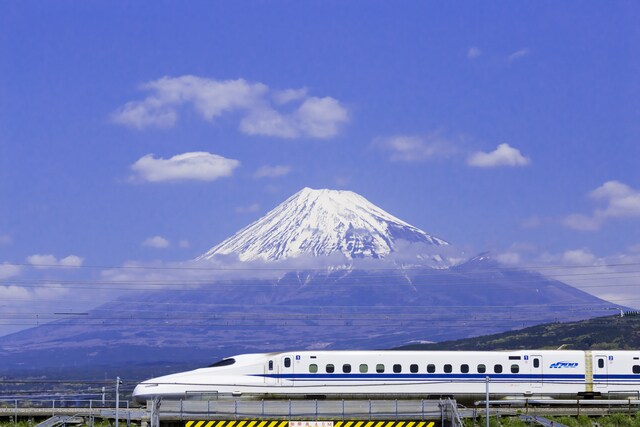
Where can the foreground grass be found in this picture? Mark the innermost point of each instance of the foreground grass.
(614, 420)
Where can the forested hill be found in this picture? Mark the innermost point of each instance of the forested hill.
(611, 332)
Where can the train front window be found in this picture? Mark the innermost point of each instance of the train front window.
(223, 362)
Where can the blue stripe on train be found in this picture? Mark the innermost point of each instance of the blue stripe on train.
(440, 377)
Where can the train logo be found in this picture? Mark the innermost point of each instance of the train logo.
(561, 365)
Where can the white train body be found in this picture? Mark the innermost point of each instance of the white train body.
(411, 374)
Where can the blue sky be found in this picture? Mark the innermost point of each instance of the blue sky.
(510, 127)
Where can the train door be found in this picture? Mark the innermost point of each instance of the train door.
(601, 371)
(286, 377)
(536, 371)
(271, 372)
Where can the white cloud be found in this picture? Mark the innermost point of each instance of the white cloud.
(611, 277)
(50, 261)
(473, 52)
(509, 258)
(5, 239)
(620, 201)
(248, 209)
(197, 166)
(255, 102)
(406, 148)
(288, 95)
(503, 155)
(272, 171)
(9, 270)
(579, 257)
(316, 118)
(71, 261)
(519, 54)
(582, 222)
(184, 244)
(157, 242)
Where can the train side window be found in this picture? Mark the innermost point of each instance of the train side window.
(636, 369)
(313, 368)
(330, 369)
(497, 369)
(431, 368)
(448, 369)
(380, 368)
(464, 369)
(271, 365)
(397, 368)
(364, 368)
(413, 369)
(515, 369)
(536, 363)
(600, 363)
(346, 368)
(482, 369)
(287, 362)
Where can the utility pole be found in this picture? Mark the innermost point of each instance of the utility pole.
(118, 400)
(486, 400)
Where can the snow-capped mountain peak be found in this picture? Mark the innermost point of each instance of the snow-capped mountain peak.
(323, 222)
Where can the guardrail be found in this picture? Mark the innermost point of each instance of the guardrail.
(182, 410)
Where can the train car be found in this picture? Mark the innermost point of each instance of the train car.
(406, 374)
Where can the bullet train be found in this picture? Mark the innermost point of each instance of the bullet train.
(464, 375)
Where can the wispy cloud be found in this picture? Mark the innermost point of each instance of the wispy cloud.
(157, 242)
(503, 155)
(411, 148)
(473, 52)
(50, 261)
(5, 239)
(9, 270)
(619, 200)
(521, 53)
(272, 171)
(255, 207)
(257, 105)
(195, 166)
(610, 277)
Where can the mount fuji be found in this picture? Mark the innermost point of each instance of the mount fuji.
(400, 286)
(326, 222)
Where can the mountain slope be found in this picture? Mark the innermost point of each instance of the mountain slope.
(599, 333)
(321, 223)
(355, 309)
(388, 304)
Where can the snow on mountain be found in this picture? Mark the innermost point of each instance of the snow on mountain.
(326, 222)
